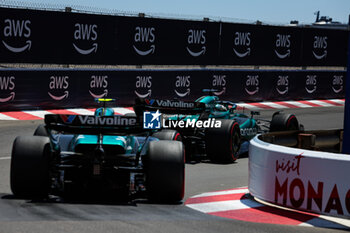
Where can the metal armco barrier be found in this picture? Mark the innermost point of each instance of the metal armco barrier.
(298, 178)
(36, 36)
(22, 89)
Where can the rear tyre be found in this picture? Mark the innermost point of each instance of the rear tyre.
(223, 144)
(29, 176)
(41, 131)
(284, 122)
(165, 170)
(167, 134)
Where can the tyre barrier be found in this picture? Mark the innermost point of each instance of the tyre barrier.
(300, 170)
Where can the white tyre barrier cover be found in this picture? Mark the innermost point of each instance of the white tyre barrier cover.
(301, 179)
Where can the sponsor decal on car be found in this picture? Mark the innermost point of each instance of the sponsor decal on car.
(109, 121)
(68, 119)
(249, 131)
(170, 103)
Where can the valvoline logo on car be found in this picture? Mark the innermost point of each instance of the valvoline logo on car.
(149, 101)
(68, 119)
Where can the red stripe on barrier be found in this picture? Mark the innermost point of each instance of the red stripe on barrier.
(332, 102)
(309, 103)
(21, 116)
(267, 214)
(288, 105)
(224, 197)
(62, 111)
(261, 105)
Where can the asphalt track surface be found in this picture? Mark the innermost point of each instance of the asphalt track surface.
(18, 215)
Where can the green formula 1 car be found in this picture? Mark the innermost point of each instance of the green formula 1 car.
(221, 144)
(100, 155)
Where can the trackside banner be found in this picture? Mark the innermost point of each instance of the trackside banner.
(300, 179)
(66, 88)
(37, 36)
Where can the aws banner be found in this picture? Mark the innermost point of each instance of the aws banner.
(36, 36)
(67, 88)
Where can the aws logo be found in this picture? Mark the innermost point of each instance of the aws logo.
(182, 85)
(196, 42)
(58, 87)
(337, 83)
(311, 83)
(143, 85)
(219, 82)
(282, 43)
(242, 40)
(282, 84)
(99, 82)
(320, 47)
(7, 86)
(144, 38)
(252, 84)
(19, 32)
(87, 33)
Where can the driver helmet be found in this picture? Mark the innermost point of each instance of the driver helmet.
(220, 107)
(104, 112)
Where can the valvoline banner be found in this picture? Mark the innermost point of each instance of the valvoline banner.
(52, 37)
(22, 89)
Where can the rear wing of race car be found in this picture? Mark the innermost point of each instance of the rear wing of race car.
(168, 106)
(88, 124)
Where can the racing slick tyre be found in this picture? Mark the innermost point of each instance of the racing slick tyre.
(29, 175)
(283, 122)
(167, 134)
(223, 144)
(165, 171)
(41, 131)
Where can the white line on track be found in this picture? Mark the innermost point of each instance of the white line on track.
(219, 206)
(225, 192)
(4, 158)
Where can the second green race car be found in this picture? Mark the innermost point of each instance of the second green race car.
(194, 123)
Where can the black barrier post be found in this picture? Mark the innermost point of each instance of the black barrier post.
(346, 139)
